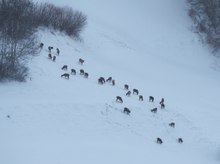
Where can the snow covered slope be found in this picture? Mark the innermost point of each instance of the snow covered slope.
(147, 44)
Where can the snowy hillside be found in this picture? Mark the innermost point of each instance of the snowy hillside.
(147, 44)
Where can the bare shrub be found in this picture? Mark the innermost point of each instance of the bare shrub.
(19, 20)
(64, 19)
(206, 17)
(17, 39)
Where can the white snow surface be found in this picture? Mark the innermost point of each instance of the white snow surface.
(147, 44)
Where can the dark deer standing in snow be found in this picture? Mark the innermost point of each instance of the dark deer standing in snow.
(113, 82)
(135, 91)
(162, 105)
(172, 124)
(126, 86)
(54, 58)
(86, 75)
(81, 61)
(101, 80)
(119, 99)
(81, 72)
(41, 45)
(159, 141)
(65, 75)
(162, 101)
(126, 111)
(180, 140)
(141, 98)
(128, 93)
(109, 79)
(151, 98)
(49, 56)
(154, 110)
(73, 71)
(58, 51)
(50, 48)
(65, 67)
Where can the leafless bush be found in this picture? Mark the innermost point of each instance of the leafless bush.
(206, 17)
(64, 19)
(19, 20)
(17, 39)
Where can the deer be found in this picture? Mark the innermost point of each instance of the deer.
(141, 98)
(50, 48)
(65, 75)
(109, 79)
(119, 99)
(54, 58)
(81, 61)
(151, 98)
(82, 72)
(49, 56)
(135, 91)
(65, 67)
(128, 93)
(162, 101)
(154, 110)
(113, 82)
(180, 140)
(126, 111)
(159, 140)
(172, 124)
(162, 105)
(126, 86)
(86, 75)
(101, 80)
(73, 72)
(41, 45)
(58, 51)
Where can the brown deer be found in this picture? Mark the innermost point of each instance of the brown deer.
(119, 99)
(141, 98)
(58, 51)
(162, 101)
(159, 141)
(113, 82)
(151, 98)
(126, 111)
(50, 48)
(82, 72)
(41, 45)
(81, 61)
(65, 75)
(172, 124)
(109, 79)
(101, 80)
(54, 58)
(180, 140)
(162, 105)
(128, 93)
(65, 67)
(86, 75)
(154, 110)
(73, 71)
(49, 56)
(126, 86)
(135, 91)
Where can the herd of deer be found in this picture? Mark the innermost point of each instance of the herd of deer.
(102, 80)
(154, 110)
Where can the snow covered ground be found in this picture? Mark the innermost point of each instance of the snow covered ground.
(147, 44)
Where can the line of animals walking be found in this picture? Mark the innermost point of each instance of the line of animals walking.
(65, 67)
(110, 80)
(153, 110)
